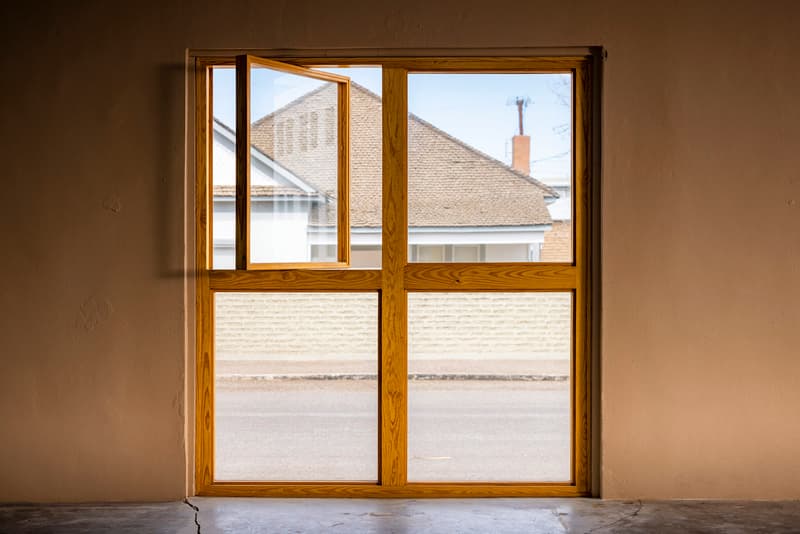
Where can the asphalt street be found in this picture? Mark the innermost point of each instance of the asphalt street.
(327, 430)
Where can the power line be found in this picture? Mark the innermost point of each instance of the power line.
(554, 156)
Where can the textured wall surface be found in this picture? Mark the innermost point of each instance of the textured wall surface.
(296, 326)
(344, 325)
(557, 244)
(699, 319)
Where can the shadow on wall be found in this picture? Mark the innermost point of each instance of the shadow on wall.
(169, 171)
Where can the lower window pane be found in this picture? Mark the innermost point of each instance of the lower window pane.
(295, 386)
(489, 387)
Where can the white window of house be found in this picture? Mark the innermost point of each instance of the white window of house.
(303, 194)
(323, 253)
(466, 253)
(430, 253)
(365, 256)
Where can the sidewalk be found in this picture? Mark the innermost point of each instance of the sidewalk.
(518, 370)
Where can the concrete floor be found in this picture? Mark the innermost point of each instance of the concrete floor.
(242, 516)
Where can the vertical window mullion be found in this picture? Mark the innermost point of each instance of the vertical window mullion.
(204, 453)
(581, 337)
(393, 384)
(242, 239)
(343, 209)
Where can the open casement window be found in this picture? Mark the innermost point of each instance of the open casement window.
(311, 206)
(451, 357)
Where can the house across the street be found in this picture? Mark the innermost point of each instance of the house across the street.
(463, 204)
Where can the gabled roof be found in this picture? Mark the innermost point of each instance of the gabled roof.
(451, 184)
(261, 161)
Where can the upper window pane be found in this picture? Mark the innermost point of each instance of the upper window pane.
(366, 164)
(490, 167)
(223, 167)
(312, 147)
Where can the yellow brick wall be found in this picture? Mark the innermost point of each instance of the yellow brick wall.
(344, 325)
(558, 242)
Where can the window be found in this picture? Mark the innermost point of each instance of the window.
(387, 306)
(270, 232)
(324, 253)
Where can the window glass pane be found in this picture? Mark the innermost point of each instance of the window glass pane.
(323, 252)
(490, 164)
(302, 146)
(366, 164)
(430, 253)
(223, 169)
(365, 256)
(489, 387)
(295, 386)
(466, 253)
(294, 165)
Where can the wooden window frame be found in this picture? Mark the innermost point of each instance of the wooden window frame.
(244, 63)
(398, 276)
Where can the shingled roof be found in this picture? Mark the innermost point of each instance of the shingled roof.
(451, 184)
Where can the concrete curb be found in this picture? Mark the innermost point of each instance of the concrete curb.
(373, 376)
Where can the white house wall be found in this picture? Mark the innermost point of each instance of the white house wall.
(561, 209)
(291, 227)
(474, 236)
(278, 232)
(224, 233)
(514, 252)
(224, 165)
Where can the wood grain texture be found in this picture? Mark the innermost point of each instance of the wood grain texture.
(296, 280)
(204, 409)
(298, 265)
(497, 65)
(488, 277)
(244, 65)
(242, 236)
(408, 491)
(393, 328)
(343, 169)
(209, 60)
(203, 454)
(582, 304)
(297, 69)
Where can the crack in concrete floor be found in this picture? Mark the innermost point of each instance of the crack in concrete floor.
(442, 516)
(627, 515)
(196, 513)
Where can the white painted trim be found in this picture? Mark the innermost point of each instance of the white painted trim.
(476, 238)
(496, 235)
(275, 198)
(478, 229)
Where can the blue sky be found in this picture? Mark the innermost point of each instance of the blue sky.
(476, 108)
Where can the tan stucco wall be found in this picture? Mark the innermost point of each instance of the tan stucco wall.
(700, 330)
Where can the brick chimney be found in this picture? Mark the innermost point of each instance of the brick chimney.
(521, 143)
(521, 153)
